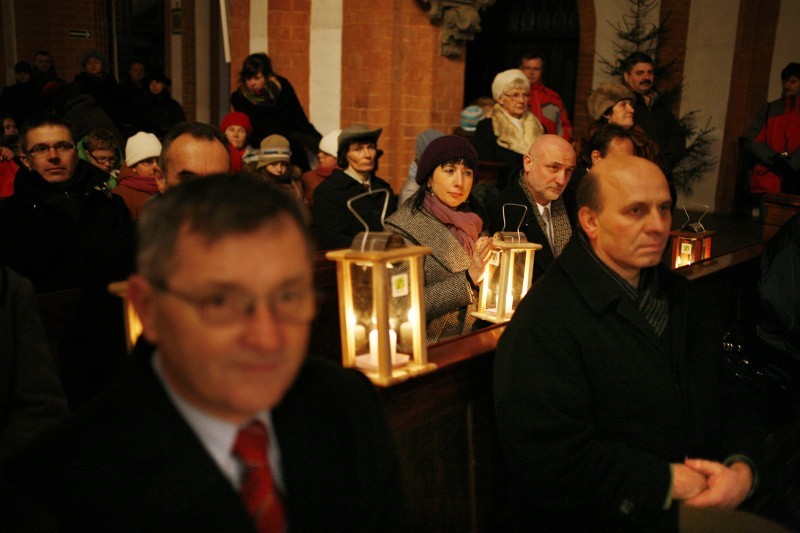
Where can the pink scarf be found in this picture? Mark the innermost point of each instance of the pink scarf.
(462, 223)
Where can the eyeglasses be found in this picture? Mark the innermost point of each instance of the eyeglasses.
(40, 150)
(113, 160)
(293, 304)
(518, 96)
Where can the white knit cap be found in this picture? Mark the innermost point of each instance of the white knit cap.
(506, 78)
(330, 143)
(140, 147)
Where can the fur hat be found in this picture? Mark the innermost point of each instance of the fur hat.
(273, 149)
(237, 118)
(140, 147)
(330, 143)
(506, 78)
(441, 150)
(606, 96)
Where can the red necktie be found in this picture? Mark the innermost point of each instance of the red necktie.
(258, 488)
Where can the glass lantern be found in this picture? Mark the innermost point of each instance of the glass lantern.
(507, 278)
(508, 275)
(381, 287)
(382, 311)
(133, 326)
(691, 243)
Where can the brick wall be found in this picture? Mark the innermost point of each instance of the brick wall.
(586, 51)
(43, 25)
(288, 34)
(394, 77)
(240, 38)
(188, 33)
(672, 45)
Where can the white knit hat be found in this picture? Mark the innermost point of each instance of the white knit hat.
(506, 78)
(140, 147)
(330, 143)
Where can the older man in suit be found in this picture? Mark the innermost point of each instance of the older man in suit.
(543, 207)
(225, 425)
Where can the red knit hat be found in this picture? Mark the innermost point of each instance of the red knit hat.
(237, 118)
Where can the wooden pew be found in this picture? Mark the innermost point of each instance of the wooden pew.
(776, 209)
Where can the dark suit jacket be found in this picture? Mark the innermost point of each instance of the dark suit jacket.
(513, 193)
(31, 398)
(663, 128)
(335, 224)
(592, 406)
(128, 461)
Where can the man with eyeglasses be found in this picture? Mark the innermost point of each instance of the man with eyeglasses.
(225, 292)
(61, 228)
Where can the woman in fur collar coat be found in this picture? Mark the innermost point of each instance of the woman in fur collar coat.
(508, 134)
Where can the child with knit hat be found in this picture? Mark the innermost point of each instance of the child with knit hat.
(328, 147)
(273, 165)
(138, 176)
(237, 129)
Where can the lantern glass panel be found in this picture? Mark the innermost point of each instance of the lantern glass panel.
(395, 296)
(513, 287)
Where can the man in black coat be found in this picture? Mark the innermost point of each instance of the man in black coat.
(62, 228)
(608, 384)
(225, 293)
(653, 113)
(335, 225)
(542, 185)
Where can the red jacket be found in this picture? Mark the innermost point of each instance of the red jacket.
(8, 169)
(549, 109)
(776, 130)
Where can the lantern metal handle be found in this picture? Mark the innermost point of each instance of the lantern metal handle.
(697, 227)
(521, 220)
(364, 238)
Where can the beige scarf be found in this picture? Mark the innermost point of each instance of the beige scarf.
(509, 136)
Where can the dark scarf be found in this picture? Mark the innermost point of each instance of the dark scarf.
(268, 96)
(461, 222)
(648, 295)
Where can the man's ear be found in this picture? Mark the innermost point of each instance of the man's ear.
(26, 160)
(527, 162)
(588, 220)
(140, 294)
(161, 181)
(595, 156)
(626, 76)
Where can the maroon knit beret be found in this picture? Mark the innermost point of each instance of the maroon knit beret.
(441, 150)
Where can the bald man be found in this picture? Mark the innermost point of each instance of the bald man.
(607, 378)
(550, 211)
(191, 150)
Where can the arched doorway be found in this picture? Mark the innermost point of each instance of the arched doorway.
(512, 26)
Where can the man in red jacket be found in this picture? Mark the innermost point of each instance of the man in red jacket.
(774, 139)
(545, 103)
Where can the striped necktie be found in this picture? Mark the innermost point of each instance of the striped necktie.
(549, 229)
(258, 489)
